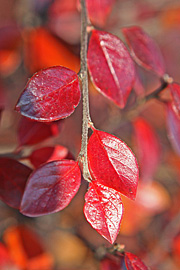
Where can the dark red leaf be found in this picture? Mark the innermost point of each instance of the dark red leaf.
(175, 91)
(31, 132)
(173, 126)
(13, 175)
(51, 188)
(133, 262)
(148, 148)
(98, 11)
(47, 154)
(112, 163)
(111, 263)
(144, 49)
(103, 209)
(51, 94)
(110, 66)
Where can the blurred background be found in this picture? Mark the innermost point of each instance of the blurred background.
(35, 34)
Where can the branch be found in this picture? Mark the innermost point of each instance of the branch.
(164, 83)
(84, 79)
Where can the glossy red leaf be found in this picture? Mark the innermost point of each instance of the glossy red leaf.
(112, 163)
(175, 92)
(111, 67)
(148, 148)
(98, 11)
(31, 132)
(50, 153)
(51, 188)
(13, 175)
(50, 94)
(173, 126)
(103, 209)
(133, 262)
(144, 49)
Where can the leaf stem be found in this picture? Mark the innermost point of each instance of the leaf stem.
(84, 79)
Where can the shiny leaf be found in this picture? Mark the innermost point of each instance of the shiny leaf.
(13, 175)
(51, 94)
(133, 262)
(103, 209)
(111, 67)
(47, 154)
(32, 132)
(112, 163)
(144, 49)
(148, 148)
(51, 188)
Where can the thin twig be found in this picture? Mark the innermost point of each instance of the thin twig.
(145, 99)
(84, 79)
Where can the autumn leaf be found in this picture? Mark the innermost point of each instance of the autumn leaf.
(31, 132)
(112, 163)
(144, 49)
(50, 188)
(111, 67)
(103, 209)
(51, 94)
(13, 175)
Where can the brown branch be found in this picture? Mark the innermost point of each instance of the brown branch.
(84, 79)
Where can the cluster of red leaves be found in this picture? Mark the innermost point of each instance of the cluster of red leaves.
(53, 94)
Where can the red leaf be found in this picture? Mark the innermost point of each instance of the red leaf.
(51, 94)
(65, 21)
(103, 209)
(98, 11)
(110, 66)
(42, 49)
(144, 49)
(13, 175)
(112, 163)
(47, 154)
(29, 252)
(148, 148)
(173, 126)
(111, 263)
(31, 132)
(133, 262)
(175, 91)
(4, 255)
(138, 84)
(51, 188)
